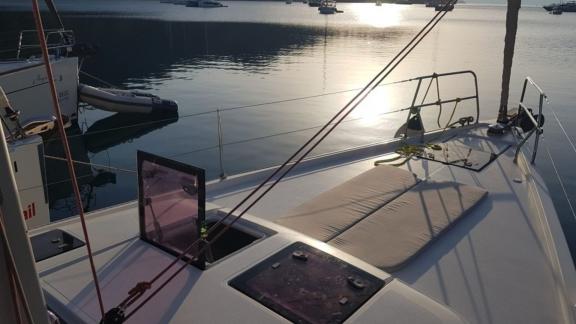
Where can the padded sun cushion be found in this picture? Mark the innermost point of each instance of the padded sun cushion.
(334, 211)
(391, 236)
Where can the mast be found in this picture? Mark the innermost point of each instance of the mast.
(509, 43)
(15, 241)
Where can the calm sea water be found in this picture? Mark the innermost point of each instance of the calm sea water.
(259, 52)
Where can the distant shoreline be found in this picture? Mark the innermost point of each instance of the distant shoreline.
(344, 1)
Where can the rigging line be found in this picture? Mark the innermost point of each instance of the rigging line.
(208, 112)
(99, 80)
(309, 97)
(188, 152)
(562, 128)
(59, 122)
(362, 95)
(286, 133)
(56, 182)
(560, 181)
(224, 109)
(204, 148)
(89, 164)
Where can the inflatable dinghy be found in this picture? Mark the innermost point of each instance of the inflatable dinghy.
(125, 101)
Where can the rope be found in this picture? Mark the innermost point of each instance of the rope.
(312, 143)
(408, 151)
(59, 122)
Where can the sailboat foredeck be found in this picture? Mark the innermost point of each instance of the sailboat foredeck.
(495, 265)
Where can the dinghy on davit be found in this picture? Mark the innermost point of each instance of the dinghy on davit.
(125, 101)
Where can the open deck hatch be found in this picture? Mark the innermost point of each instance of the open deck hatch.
(306, 285)
(171, 200)
(171, 206)
(53, 243)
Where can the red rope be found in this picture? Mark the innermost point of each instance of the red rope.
(71, 171)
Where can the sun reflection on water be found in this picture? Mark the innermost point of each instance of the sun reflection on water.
(379, 102)
(383, 16)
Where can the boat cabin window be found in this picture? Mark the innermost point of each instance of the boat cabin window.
(171, 202)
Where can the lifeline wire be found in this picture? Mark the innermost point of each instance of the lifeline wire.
(554, 164)
(561, 182)
(343, 113)
(208, 112)
(248, 140)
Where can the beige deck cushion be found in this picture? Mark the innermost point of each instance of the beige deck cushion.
(332, 212)
(392, 235)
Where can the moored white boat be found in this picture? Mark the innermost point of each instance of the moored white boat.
(125, 101)
(24, 80)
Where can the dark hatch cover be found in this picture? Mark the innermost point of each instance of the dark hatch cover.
(52, 243)
(306, 285)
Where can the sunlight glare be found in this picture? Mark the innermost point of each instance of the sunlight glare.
(383, 16)
(372, 108)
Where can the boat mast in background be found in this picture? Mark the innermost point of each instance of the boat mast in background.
(509, 43)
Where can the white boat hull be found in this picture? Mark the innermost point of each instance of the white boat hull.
(26, 86)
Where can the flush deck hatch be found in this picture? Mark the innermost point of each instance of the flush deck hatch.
(306, 285)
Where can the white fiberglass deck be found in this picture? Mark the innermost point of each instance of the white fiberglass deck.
(504, 262)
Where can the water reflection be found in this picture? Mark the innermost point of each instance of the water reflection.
(383, 16)
(120, 128)
(100, 136)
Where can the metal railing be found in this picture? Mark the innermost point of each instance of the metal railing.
(56, 39)
(434, 78)
(537, 122)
